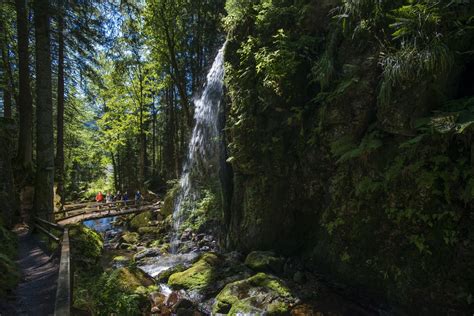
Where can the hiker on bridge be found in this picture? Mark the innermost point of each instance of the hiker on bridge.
(108, 198)
(138, 197)
(99, 197)
(125, 197)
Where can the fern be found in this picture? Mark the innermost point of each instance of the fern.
(410, 64)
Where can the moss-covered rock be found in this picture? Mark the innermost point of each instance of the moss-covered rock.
(168, 203)
(149, 230)
(141, 220)
(120, 261)
(164, 276)
(130, 279)
(264, 261)
(200, 275)
(130, 237)
(260, 293)
(86, 246)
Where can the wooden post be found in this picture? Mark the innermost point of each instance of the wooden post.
(64, 289)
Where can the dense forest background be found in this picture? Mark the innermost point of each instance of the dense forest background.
(348, 135)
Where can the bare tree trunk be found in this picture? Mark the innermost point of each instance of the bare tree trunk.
(7, 104)
(4, 71)
(142, 143)
(43, 201)
(59, 162)
(116, 171)
(153, 146)
(25, 102)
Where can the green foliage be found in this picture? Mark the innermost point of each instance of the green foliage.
(9, 274)
(170, 197)
(238, 12)
(85, 161)
(86, 247)
(345, 149)
(201, 212)
(276, 65)
(122, 292)
(389, 203)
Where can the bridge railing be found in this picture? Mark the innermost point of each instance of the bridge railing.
(99, 208)
(63, 301)
(47, 228)
(64, 287)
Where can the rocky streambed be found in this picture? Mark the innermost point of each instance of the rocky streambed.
(200, 279)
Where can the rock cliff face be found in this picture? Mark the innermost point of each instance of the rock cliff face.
(341, 157)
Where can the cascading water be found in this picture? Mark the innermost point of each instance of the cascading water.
(203, 150)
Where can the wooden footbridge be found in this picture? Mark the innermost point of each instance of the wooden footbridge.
(74, 213)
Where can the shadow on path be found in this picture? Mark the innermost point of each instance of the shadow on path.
(36, 292)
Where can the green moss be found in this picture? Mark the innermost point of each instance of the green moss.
(164, 276)
(278, 308)
(129, 279)
(199, 276)
(202, 211)
(151, 230)
(242, 296)
(165, 247)
(130, 237)
(121, 259)
(264, 261)
(86, 246)
(141, 220)
(121, 292)
(244, 307)
(171, 194)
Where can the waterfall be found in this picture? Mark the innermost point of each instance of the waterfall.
(203, 150)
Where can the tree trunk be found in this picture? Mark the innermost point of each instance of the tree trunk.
(43, 201)
(60, 110)
(4, 71)
(153, 146)
(115, 167)
(25, 102)
(7, 104)
(142, 140)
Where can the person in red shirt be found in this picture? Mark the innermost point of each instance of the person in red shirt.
(99, 197)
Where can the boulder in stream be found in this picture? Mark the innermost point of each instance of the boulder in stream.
(259, 294)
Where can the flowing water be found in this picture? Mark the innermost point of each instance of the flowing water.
(203, 150)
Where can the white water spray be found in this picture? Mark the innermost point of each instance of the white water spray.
(203, 150)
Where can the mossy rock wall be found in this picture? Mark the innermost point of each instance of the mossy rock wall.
(376, 192)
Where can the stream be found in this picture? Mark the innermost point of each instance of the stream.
(313, 295)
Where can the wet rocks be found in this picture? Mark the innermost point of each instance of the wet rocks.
(259, 294)
(187, 234)
(120, 261)
(150, 252)
(174, 303)
(130, 238)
